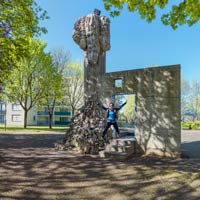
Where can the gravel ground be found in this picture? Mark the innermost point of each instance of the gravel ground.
(30, 168)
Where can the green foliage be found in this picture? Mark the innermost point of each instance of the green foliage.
(19, 20)
(186, 125)
(127, 114)
(129, 109)
(185, 12)
(196, 125)
(29, 82)
(54, 89)
(191, 125)
(73, 85)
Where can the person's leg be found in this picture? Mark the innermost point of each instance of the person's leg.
(116, 128)
(113, 132)
(105, 129)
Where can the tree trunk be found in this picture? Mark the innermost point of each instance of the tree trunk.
(50, 121)
(73, 111)
(50, 112)
(25, 118)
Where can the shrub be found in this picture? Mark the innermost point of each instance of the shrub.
(186, 125)
(191, 125)
(196, 125)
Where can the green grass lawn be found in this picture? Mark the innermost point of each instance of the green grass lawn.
(32, 128)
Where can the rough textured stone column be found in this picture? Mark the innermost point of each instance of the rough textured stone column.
(92, 34)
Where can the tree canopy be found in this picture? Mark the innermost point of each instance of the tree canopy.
(27, 84)
(19, 20)
(73, 85)
(54, 89)
(190, 98)
(184, 12)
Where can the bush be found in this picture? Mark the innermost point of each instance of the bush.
(186, 125)
(191, 125)
(196, 125)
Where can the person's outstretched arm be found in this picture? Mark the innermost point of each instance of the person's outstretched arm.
(122, 106)
(101, 106)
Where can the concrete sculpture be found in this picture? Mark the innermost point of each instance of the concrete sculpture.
(92, 34)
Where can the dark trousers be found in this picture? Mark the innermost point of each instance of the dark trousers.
(108, 126)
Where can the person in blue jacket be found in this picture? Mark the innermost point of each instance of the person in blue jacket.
(111, 118)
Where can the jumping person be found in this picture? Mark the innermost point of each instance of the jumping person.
(111, 118)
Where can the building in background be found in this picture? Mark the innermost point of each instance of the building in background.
(12, 114)
(2, 112)
(61, 116)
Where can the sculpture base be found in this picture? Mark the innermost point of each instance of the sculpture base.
(84, 133)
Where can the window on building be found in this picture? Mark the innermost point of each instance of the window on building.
(63, 119)
(2, 107)
(16, 118)
(16, 107)
(2, 118)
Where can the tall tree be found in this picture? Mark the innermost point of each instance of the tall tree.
(54, 93)
(27, 83)
(196, 98)
(186, 92)
(61, 59)
(181, 12)
(19, 20)
(73, 86)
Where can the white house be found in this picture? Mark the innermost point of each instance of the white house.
(12, 114)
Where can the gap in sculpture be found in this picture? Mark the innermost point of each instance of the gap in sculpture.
(157, 98)
(156, 89)
(126, 116)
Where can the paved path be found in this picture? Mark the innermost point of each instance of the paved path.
(29, 140)
(31, 169)
(190, 143)
(44, 141)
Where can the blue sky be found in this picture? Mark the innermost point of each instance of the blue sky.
(134, 42)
